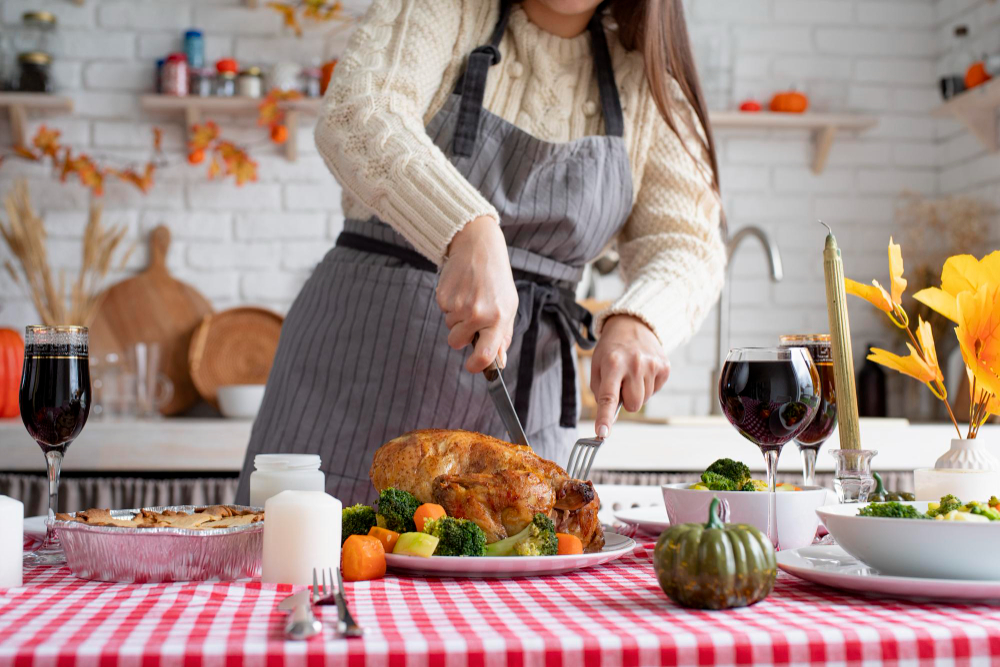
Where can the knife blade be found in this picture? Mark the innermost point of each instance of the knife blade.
(295, 600)
(503, 404)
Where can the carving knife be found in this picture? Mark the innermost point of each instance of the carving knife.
(502, 402)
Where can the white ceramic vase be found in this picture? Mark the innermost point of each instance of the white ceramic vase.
(968, 455)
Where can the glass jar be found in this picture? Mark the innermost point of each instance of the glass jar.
(175, 75)
(36, 32)
(225, 80)
(274, 473)
(202, 81)
(194, 49)
(250, 83)
(311, 82)
(33, 72)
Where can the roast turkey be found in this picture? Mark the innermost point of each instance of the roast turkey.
(497, 484)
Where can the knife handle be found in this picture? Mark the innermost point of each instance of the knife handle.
(493, 370)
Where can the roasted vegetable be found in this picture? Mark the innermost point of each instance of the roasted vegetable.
(734, 470)
(457, 537)
(356, 520)
(948, 503)
(395, 509)
(415, 544)
(363, 558)
(538, 538)
(427, 512)
(569, 545)
(385, 536)
(716, 482)
(715, 565)
(892, 510)
(990, 513)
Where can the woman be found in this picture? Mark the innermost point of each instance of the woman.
(487, 151)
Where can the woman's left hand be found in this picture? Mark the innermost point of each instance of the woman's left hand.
(628, 362)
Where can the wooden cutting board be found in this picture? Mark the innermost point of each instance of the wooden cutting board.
(153, 307)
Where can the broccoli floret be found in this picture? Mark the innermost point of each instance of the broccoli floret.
(990, 513)
(717, 482)
(537, 539)
(456, 537)
(395, 510)
(748, 486)
(892, 510)
(947, 504)
(356, 520)
(734, 470)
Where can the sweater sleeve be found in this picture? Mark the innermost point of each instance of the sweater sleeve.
(672, 255)
(371, 127)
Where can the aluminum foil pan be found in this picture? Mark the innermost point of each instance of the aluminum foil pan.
(152, 555)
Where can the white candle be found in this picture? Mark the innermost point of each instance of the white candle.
(301, 532)
(11, 541)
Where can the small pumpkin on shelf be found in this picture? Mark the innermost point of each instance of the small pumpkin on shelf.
(976, 75)
(789, 101)
(715, 565)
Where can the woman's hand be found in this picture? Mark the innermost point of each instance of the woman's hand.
(476, 293)
(628, 362)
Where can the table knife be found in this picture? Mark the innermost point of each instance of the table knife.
(503, 404)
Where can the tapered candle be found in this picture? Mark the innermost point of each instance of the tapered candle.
(840, 342)
(11, 541)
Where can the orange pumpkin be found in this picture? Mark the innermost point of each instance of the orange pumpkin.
(789, 101)
(11, 361)
(976, 75)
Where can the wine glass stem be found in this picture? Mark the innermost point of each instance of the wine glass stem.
(808, 465)
(53, 462)
(771, 460)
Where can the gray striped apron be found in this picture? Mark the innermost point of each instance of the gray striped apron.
(364, 356)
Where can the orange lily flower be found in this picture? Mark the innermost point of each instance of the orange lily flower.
(891, 302)
(978, 334)
(961, 273)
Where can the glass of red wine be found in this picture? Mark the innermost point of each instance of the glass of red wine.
(812, 438)
(55, 403)
(769, 394)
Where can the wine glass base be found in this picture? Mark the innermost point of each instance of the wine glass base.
(43, 557)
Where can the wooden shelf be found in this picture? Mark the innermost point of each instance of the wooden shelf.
(194, 108)
(977, 110)
(19, 104)
(823, 126)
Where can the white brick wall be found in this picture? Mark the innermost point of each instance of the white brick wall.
(257, 244)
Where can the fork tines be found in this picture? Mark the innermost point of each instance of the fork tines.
(582, 457)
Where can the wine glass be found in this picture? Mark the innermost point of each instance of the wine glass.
(812, 438)
(55, 403)
(770, 395)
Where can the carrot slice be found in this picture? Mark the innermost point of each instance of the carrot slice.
(362, 558)
(385, 536)
(569, 544)
(426, 512)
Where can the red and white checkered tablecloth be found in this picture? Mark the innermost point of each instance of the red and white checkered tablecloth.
(609, 615)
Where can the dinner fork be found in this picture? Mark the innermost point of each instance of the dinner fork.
(324, 595)
(584, 451)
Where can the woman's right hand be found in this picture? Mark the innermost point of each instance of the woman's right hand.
(476, 293)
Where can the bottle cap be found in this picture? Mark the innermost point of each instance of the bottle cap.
(192, 33)
(227, 65)
(176, 57)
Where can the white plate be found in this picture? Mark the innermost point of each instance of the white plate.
(35, 526)
(615, 546)
(914, 547)
(830, 565)
(651, 520)
(797, 520)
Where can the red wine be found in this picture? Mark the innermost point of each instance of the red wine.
(55, 393)
(769, 402)
(825, 421)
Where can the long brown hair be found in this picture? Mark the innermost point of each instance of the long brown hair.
(658, 30)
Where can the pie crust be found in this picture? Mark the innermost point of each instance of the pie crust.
(203, 518)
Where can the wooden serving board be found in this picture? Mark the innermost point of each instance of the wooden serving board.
(153, 307)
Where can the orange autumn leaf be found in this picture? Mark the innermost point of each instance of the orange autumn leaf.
(202, 136)
(47, 141)
(214, 168)
(874, 294)
(157, 139)
(288, 16)
(913, 365)
(244, 171)
(27, 153)
(897, 284)
(978, 334)
(961, 273)
(925, 336)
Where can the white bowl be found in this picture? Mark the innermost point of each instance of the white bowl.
(915, 548)
(240, 401)
(797, 519)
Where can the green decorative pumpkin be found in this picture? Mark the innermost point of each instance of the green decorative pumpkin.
(715, 565)
(881, 495)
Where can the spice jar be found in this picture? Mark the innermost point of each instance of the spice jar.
(175, 75)
(225, 80)
(194, 49)
(34, 72)
(250, 83)
(311, 82)
(274, 473)
(202, 81)
(36, 32)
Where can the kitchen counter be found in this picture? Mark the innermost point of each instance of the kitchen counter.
(682, 444)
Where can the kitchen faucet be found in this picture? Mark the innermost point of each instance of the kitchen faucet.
(722, 314)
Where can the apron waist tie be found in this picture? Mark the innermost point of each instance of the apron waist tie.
(538, 297)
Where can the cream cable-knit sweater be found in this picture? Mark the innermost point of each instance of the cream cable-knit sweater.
(400, 67)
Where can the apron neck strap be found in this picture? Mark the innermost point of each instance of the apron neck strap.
(472, 84)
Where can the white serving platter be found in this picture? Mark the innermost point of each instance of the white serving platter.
(615, 546)
(831, 566)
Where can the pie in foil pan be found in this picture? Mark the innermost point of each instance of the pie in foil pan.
(153, 555)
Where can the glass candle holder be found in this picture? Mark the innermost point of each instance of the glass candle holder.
(852, 478)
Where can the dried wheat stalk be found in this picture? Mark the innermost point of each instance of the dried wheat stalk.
(25, 236)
